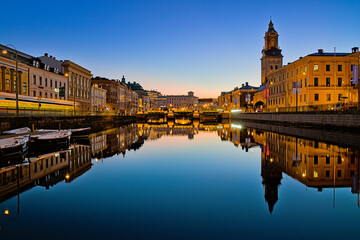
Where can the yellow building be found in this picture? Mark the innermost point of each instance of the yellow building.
(318, 81)
(8, 71)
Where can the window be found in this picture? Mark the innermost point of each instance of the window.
(304, 97)
(316, 82)
(45, 82)
(316, 160)
(327, 173)
(271, 67)
(328, 68)
(339, 68)
(300, 98)
(50, 95)
(339, 81)
(46, 94)
(7, 71)
(316, 174)
(24, 87)
(305, 68)
(328, 82)
(339, 160)
(327, 161)
(50, 82)
(339, 173)
(34, 93)
(275, 67)
(316, 96)
(305, 82)
(55, 84)
(40, 80)
(352, 173)
(340, 97)
(328, 97)
(40, 93)
(34, 77)
(316, 67)
(352, 159)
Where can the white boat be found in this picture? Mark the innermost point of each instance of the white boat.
(13, 147)
(50, 138)
(23, 130)
(74, 132)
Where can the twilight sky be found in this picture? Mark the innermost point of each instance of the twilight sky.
(174, 46)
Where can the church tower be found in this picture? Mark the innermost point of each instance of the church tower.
(271, 54)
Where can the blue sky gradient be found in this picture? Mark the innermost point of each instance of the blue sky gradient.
(176, 46)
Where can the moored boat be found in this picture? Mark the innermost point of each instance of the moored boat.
(23, 130)
(53, 138)
(13, 147)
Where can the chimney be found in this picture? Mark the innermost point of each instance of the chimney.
(355, 49)
(320, 51)
(46, 54)
(246, 83)
(50, 56)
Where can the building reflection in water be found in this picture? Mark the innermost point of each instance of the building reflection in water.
(313, 163)
(45, 170)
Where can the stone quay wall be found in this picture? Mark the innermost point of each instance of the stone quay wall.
(317, 119)
(95, 122)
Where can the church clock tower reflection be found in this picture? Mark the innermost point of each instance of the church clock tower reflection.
(271, 179)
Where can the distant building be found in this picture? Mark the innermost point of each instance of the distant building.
(239, 98)
(152, 96)
(181, 101)
(143, 97)
(119, 98)
(160, 102)
(98, 99)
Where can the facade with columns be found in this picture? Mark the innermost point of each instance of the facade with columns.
(8, 71)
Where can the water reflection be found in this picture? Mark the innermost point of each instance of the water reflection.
(314, 163)
(45, 170)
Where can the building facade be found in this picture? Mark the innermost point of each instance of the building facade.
(79, 85)
(8, 71)
(45, 81)
(98, 99)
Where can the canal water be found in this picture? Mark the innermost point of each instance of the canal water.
(196, 181)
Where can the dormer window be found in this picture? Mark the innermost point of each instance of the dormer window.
(37, 64)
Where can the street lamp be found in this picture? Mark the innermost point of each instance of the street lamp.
(4, 51)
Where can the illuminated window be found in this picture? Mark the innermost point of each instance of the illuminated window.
(24, 87)
(328, 97)
(316, 174)
(305, 68)
(316, 67)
